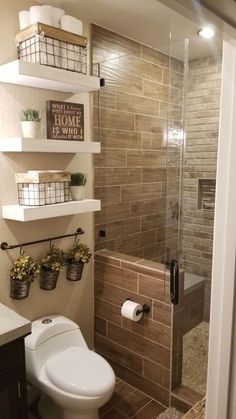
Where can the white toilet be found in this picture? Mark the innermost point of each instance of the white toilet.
(74, 381)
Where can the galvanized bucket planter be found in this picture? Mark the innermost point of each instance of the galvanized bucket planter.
(48, 279)
(19, 289)
(74, 271)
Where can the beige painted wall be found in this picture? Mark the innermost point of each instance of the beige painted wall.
(72, 300)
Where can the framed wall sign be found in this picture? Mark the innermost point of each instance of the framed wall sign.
(65, 120)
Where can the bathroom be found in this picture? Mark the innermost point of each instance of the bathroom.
(156, 117)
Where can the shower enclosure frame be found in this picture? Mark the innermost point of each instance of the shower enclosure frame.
(224, 247)
(221, 364)
(221, 381)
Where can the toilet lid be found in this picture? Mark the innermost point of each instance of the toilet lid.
(80, 371)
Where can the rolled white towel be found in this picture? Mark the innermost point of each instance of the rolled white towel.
(56, 16)
(71, 24)
(41, 14)
(24, 19)
(48, 8)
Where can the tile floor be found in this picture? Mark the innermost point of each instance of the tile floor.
(128, 402)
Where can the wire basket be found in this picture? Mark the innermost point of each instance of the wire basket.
(48, 46)
(46, 193)
(43, 187)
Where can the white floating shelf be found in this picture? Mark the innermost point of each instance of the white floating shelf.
(45, 77)
(26, 213)
(25, 145)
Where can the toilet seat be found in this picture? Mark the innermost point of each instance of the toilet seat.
(80, 371)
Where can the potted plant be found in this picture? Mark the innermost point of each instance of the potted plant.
(24, 270)
(30, 123)
(51, 264)
(77, 186)
(76, 257)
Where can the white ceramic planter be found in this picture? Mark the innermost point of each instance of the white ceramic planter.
(31, 129)
(77, 193)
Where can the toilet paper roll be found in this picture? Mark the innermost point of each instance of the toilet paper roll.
(71, 24)
(42, 14)
(33, 197)
(60, 194)
(129, 310)
(50, 193)
(24, 19)
(57, 53)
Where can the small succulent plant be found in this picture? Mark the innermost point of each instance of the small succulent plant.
(78, 179)
(29, 115)
(53, 260)
(78, 253)
(25, 268)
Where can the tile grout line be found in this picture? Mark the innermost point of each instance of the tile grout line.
(138, 411)
(118, 402)
(131, 331)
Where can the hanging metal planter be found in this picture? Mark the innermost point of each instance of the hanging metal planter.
(77, 255)
(74, 271)
(19, 289)
(51, 263)
(48, 279)
(23, 271)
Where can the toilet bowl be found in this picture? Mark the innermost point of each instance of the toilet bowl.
(73, 380)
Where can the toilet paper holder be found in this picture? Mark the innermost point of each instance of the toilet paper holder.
(145, 309)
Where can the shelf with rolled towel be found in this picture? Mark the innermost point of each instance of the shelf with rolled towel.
(45, 77)
(32, 213)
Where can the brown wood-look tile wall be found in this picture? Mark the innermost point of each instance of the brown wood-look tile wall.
(131, 176)
(203, 107)
(139, 352)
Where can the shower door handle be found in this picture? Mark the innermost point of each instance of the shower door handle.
(174, 282)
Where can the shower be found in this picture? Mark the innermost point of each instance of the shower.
(157, 120)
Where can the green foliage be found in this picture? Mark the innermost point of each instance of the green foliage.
(29, 115)
(79, 252)
(78, 179)
(25, 268)
(53, 260)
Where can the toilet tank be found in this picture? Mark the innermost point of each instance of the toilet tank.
(50, 334)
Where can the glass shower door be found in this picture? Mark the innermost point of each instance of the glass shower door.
(175, 145)
(192, 139)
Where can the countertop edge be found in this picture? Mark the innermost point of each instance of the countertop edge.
(14, 334)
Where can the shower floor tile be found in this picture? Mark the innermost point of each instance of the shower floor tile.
(195, 358)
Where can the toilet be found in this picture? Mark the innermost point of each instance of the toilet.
(74, 381)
